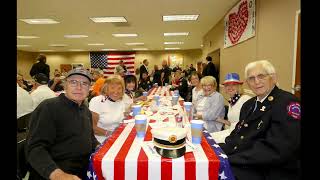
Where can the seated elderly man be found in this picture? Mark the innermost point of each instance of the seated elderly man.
(41, 91)
(266, 141)
(61, 137)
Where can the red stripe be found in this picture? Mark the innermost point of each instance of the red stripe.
(119, 160)
(97, 158)
(119, 58)
(190, 166)
(166, 168)
(214, 162)
(143, 159)
(116, 63)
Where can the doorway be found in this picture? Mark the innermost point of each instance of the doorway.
(216, 61)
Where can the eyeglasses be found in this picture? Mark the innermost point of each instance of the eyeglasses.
(75, 83)
(259, 77)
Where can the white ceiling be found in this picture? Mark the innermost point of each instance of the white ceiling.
(144, 18)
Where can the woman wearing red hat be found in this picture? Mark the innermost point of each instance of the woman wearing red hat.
(233, 88)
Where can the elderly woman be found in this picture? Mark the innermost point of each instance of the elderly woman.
(210, 105)
(130, 88)
(108, 108)
(197, 88)
(233, 88)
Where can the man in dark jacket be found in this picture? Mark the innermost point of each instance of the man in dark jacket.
(265, 144)
(144, 68)
(40, 67)
(210, 69)
(61, 138)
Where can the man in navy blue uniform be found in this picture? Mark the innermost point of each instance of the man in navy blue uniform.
(266, 141)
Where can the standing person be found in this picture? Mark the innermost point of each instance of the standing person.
(165, 72)
(144, 68)
(156, 75)
(233, 88)
(210, 69)
(42, 90)
(210, 106)
(40, 67)
(61, 138)
(266, 141)
(192, 68)
(108, 108)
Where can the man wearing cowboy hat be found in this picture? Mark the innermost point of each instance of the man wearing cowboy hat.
(265, 143)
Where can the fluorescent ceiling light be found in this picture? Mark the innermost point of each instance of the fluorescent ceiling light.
(108, 49)
(76, 50)
(140, 49)
(134, 44)
(39, 21)
(46, 50)
(57, 45)
(180, 17)
(96, 44)
(173, 42)
(108, 19)
(27, 37)
(75, 36)
(22, 45)
(125, 35)
(176, 34)
(173, 48)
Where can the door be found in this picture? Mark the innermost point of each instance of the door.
(297, 75)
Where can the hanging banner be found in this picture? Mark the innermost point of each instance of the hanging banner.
(240, 23)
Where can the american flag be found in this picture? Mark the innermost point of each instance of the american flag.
(107, 61)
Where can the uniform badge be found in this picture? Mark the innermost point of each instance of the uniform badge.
(294, 110)
(172, 139)
(245, 125)
(263, 108)
(270, 98)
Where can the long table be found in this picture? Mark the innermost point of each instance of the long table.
(121, 157)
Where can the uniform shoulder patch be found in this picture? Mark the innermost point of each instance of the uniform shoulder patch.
(294, 110)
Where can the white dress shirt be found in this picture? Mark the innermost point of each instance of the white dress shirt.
(24, 102)
(41, 93)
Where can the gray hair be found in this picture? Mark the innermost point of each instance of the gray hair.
(265, 64)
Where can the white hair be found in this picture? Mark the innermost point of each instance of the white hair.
(265, 64)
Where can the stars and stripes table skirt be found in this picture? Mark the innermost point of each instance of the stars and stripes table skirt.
(121, 157)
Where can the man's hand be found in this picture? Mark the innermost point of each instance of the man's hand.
(58, 174)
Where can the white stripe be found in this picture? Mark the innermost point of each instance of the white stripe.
(120, 56)
(154, 168)
(108, 159)
(178, 168)
(131, 161)
(202, 164)
(118, 60)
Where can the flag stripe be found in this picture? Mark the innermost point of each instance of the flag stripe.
(166, 169)
(119, 160)
(97, 159)
(201, 163)
(214, 163)
(178, 168)
(190, 166)
(108, 159)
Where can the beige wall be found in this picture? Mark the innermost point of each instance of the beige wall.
(274, 40)
(54, 59)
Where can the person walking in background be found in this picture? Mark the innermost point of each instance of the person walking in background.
(233, 88)
(265, 144)
(210, 69)
(156, 75)
(165, 72)
(40, 66)
(144, 68)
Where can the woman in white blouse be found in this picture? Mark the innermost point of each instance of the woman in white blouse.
(108, 108)
(233, 88)
(195, 82)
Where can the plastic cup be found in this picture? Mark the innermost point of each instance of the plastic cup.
(176, 92)
(166, 84)
(187, 106)
(175, 100)
(140, 125)
(136, 110)
(145, 93)
(155, 84)
(196, 131)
